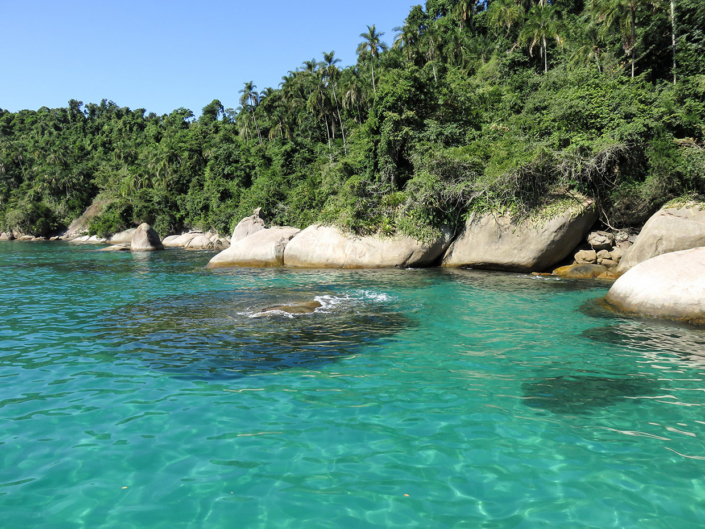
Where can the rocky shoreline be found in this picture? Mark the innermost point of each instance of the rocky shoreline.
(560, 244)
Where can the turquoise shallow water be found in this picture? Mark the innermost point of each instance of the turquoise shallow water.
(146, 391)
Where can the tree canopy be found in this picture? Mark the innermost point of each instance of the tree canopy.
(492, 104)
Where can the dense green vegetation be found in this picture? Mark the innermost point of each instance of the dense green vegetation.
(475, 104)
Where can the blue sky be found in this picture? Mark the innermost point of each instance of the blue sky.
(161, 55)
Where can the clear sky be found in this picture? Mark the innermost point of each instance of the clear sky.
(162, 55)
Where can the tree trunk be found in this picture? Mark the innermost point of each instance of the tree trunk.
(545, 56)
(259, 135)
(373, 78)
(342, 127)
(633, 39)
(673, 37)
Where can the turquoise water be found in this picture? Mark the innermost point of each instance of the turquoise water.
(142, 390)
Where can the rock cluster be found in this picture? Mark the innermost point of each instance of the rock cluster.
(196, 240)
(604, 248)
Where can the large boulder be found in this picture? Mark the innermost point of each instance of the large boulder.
(328, 247)
(124, 237)
(199, 242)
(6, 236)
(670, 286)
(248, 226)
(669, 230)
(500, 243)
(264, 248)
(145, 239)
(181, 241)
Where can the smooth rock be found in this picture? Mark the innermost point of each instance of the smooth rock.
(498, 243)
(609, 276)
(328, 247)
(122, 237)
(586, 257)
(182, 240)
(669, 230)
(586, 271)
(145, 239)
(263, 249)
(199, 242)
(671, 285)
(248, 226)
(167, 242)
(600, 240)
(26, 238)
(6, 236)
(117, 248)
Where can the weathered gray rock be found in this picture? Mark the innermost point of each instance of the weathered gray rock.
(263, 249)
(117, 248)
(248, 226)
(328, 247)
(182, 240)
(669, 230)
(670, 286)
(199, 242)
(168, 241)
(498, 243)
(123, 237)
(600, 240)
(586, 257)
(145, 239)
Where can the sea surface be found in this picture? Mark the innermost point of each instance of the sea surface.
(145, 391)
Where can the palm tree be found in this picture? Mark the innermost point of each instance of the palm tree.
(591, 50)
(431, 40)
(330, 76)
(542, 25)
(621, 15)
(250, 99)
(371, 47)
(465, 11)
(405, 40)
(504, 14)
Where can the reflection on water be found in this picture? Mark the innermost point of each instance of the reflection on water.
(226, 334)
(577, 394)
(681, 342)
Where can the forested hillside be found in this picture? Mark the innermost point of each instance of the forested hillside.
(498, 104)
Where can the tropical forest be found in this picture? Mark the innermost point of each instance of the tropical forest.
(471, 105)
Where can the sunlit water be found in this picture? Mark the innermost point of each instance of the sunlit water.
(142, 390)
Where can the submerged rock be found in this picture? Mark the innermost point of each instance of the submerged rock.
(668, 286)
(328, 247)
(264, 248)
(499, 243)
(295, 308)
(580, 271)
(145, 239)
(669, 230)
(248, 226)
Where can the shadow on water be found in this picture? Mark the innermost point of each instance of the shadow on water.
(224, 334)
(580, 394)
